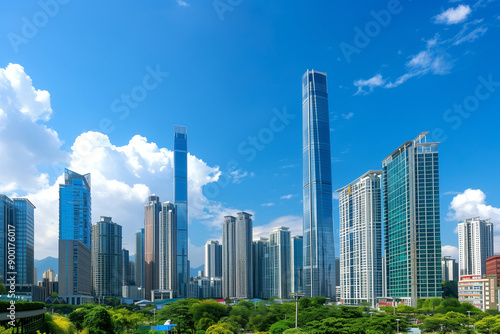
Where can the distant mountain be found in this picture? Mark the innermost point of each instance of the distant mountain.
(44, 264)
(194, 271)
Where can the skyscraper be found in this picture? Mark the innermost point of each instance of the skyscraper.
(229, 257)
(410, 182)
(244, 265)
(360, 211)
(181, 203)
(6, 219)
(126, 275)
(107, 261)
(261, 269)
(213, 259)
(24, 219)
(75, 230)
(151, 245)
(475, 245)
(279, 254)
(139, 258)
(297, 260)
(319, 250)
(449, 268)
(168, 248)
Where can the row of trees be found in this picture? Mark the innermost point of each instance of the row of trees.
(210, 317)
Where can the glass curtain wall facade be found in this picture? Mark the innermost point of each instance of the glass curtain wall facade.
(75, 230)
(410, 181)
(319, 250)
(181, 203)
(261, 268)
(24, 218)
(213, 259)
(360, 212)
(139, 258)
(229, 257)
(297, 260)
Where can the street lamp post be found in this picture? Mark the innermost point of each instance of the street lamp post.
(297, 296)
(468, 312)
(397, 320)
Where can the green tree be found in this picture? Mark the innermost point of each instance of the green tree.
(78, 316)
(208, 309)
(98, 321)
(489, 324)
(179, 313)
(281, 326)
(203, 324)
(220, 329)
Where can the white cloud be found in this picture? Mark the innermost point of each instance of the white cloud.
(375, 81)
(25, 143)
(287, 196)
(471, 36)
(182, 3)
(472, 203)
(238, 175)
(292, 222)
(449, 250)
(453, 15)
(267, 204)
(349, 115)
(336, 195)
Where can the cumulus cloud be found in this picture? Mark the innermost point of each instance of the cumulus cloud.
(292, 222)
(25, 142)
(449, 250)
(453, 15)
(472, 203)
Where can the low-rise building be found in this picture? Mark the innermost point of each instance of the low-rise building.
(480, 292)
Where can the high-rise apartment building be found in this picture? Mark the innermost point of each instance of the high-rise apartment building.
(75, 230)
(107, 261)
(237, 273)
(181, 203)
(449, 267)
(213, 259)
(261, 269)
(296, 265)
(475, 245)
(126, 274)
(410, 182)
(319, 250)
(360, 212)
(229, 257)
(168, 248)
(139, 259)
(244, 265)
(280, 266)
(151, 245)
(17, 216)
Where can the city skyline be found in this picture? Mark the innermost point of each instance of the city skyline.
(57, 116)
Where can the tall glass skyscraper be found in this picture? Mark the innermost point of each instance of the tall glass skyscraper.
(139, 259)
(107, 260)
(410, 188)
(151, 245)
(213, 259)
(24, 218)
(297, 259)
(360, 211)
(168, 247)
(75, 230)
(319, 250)
(229, 257)
(181, 203)
(261, 269)
(6, 219)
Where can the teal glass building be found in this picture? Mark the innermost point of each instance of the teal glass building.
(181, 204)
(410, 189)
(319, 250)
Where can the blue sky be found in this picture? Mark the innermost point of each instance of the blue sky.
(225, 69)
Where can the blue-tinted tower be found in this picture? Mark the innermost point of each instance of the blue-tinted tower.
(181, 203)
(75, 231)
(6, 219)
(319, 251)
(24, 217)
